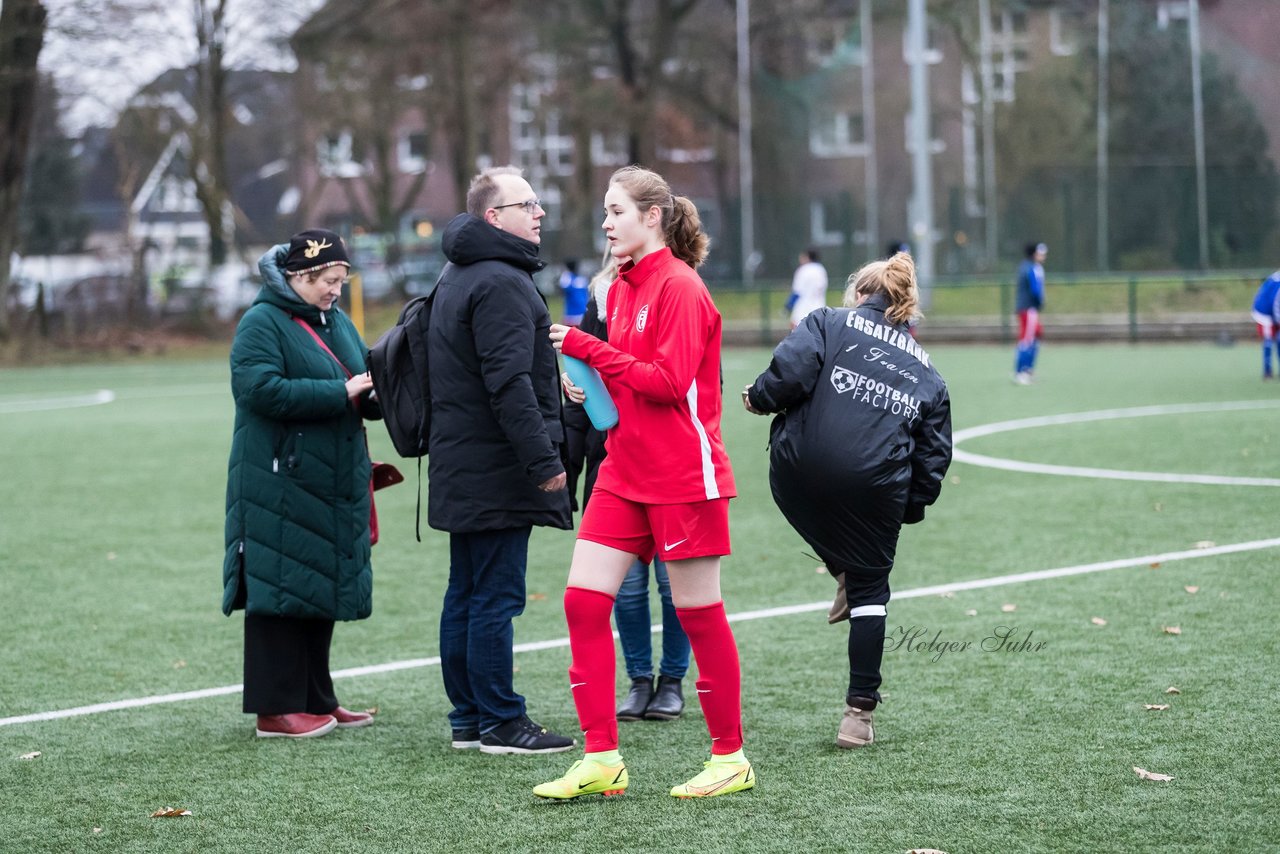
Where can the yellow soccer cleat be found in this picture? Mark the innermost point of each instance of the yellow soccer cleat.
(721, 776)
(587, 776)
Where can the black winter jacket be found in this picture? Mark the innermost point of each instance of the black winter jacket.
(496, 426)
(863, 438)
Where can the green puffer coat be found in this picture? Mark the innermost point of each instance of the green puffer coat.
(297, 531)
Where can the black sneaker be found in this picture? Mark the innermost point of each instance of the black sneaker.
(465, 739)
(523, 736)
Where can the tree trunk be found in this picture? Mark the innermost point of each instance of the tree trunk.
(22, 26)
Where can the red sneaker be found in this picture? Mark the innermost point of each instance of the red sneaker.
(348, 719)
(299, 725)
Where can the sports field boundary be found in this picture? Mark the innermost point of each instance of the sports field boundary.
(744, 616)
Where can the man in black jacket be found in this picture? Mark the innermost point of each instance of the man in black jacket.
(495, 469)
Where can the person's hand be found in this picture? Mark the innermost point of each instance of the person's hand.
(558, 332)
(746, 403)
(359, 384)
(555, 484)
(571, 391)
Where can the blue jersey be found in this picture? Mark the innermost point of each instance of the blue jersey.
(1030, 291)
(574, 286)
(1267, 300)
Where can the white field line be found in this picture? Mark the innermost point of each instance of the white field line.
(44, 404)
(1107, 415)
(767, 613)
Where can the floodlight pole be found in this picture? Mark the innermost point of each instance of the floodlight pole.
(745, 176)
(1197, 104)
(989, 203)
(870, 170)
(921, 213)
(1104, 133)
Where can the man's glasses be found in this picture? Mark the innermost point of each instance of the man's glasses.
(529, 205)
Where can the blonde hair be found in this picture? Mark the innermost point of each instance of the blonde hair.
(681, 226)
(894, 277)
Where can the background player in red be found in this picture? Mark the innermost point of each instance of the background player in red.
(663, 488)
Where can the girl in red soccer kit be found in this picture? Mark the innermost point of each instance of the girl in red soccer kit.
(663, 488)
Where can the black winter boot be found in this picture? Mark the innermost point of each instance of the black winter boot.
(667, 702)
(632, 708)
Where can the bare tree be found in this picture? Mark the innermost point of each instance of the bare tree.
(22, 29)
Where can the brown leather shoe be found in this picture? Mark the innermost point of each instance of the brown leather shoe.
(855, 728)
(299, 725)
(839, 611)
(349, 720)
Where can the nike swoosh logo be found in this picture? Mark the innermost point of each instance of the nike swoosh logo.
(669, 546)
(704, 690)
(573, 685)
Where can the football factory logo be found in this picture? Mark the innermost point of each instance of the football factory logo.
(843, 380)
(642, 318)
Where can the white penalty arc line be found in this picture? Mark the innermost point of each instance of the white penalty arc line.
(787, 610)
(1107, 415)
(45, 404)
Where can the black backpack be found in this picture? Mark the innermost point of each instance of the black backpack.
(402, 381)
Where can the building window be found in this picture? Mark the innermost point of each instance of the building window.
(175, 194)
(608, 150)
(1168, 11)
(339, 156)
(411, 151)
(1066, 28)
(837, 134)
(1009, 52)
(825, 216)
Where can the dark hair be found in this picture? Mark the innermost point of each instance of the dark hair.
(571, 264)
(1031, 249)
(812, 253)
(484, 191)
(895, 278)
(681, 227)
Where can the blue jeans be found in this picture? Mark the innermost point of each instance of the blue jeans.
(631, 613)
(486, 591)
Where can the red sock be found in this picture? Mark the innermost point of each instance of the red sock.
(591, 676)
(720, 679)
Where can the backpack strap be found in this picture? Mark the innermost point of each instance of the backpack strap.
(320, 341)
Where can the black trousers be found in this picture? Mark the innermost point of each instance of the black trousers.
(286, 666)
(866, 635)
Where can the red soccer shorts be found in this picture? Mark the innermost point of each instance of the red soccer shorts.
(1029, 327)
(671, 531)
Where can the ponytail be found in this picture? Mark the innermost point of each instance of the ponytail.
(894, 277)
(681, 226)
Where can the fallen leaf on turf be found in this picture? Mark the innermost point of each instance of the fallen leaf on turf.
(1148, 775)
(372, 710)
(926, 851)
(1098, 621)
(1009, 609)
(948, 595)
(179, 664)
(111, 555)
(1155, 565)
(170, 812)
(537, 597)
(1155, 707)
(32, 755)
(819, 569)
(1204, 544)
(1172, 689)
(1191, 588)
(972, 612)
(1159, 506)
(97, 830)
(1171, 630)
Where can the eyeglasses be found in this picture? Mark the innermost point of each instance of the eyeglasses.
(528, 204)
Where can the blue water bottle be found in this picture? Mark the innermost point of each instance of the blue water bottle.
(598, 404)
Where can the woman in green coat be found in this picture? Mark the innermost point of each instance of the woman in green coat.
(297, 531)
